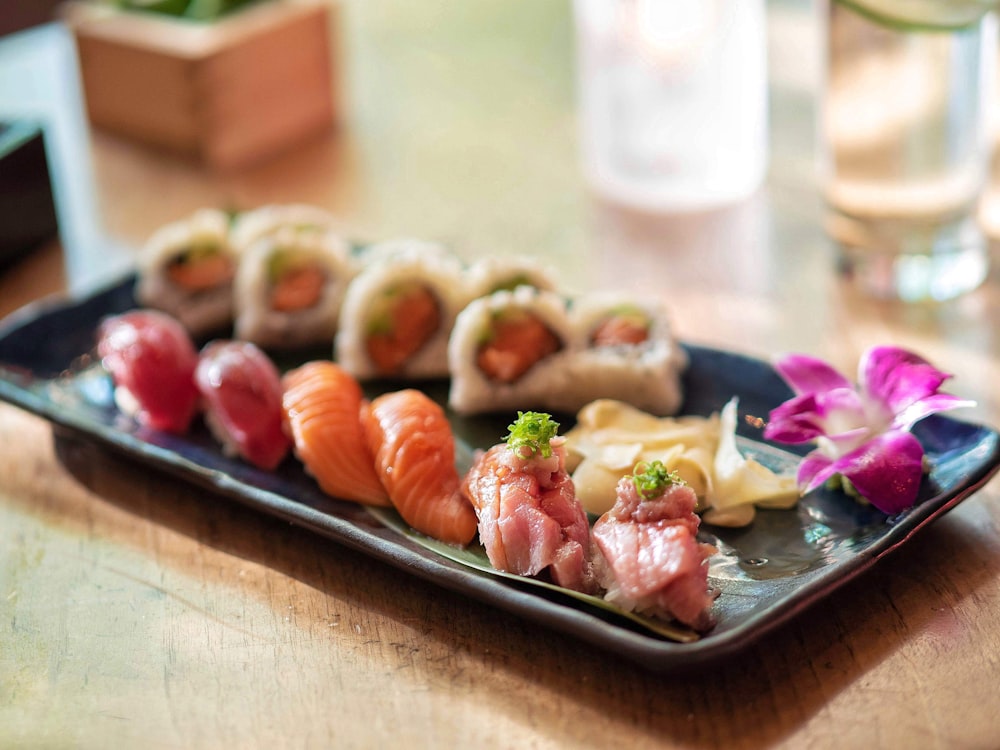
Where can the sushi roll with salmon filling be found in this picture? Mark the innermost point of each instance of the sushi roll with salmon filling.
(624, 350)
(649, 559)
(397, 316)
(529, 518)
(186, 269)
(509, 350)
(251, 226)
(495, 274)
(289, 288)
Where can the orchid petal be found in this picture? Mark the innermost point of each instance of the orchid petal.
(807, 417)
(805, 374)
(842, 410)
(795, 421)
(849, 440)
(814, 470)
(886, 470)
(898, 378)
(912, 414)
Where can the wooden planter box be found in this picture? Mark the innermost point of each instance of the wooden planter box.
(230, 92)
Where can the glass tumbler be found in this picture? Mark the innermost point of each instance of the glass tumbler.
(905, 138)
(672, 100)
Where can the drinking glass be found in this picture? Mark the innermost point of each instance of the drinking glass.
(672, 100)
(905, 134)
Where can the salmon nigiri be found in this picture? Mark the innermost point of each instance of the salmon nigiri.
(414, 451)
(322, 409)
(654, 563)
(530, 520)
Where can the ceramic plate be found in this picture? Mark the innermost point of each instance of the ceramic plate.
(766, 573)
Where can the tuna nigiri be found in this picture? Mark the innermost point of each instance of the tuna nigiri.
(530, 520)
(654, 564)
(414, 451)
(151, 359)
(241, 391)
(322, 407)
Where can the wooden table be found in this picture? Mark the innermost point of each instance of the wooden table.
(137, 611)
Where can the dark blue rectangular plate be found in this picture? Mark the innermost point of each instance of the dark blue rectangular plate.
(784, 562)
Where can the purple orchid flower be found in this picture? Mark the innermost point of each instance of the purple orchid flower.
(861, 433)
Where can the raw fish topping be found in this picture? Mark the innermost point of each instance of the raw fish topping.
(151, 359)
(654, 563)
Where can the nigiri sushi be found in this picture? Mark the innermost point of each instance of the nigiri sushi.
(650, 560)
(322, 410)
(414, 450)
(529, 518)
(241, 391)
(152, 360)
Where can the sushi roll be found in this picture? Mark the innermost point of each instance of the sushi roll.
(322, 410)
(289, 288)
(510, 350)
(241, 392)
(624, 350)
(251, 226)
(151, 360)
(649, 559)
(529, 518)
(186, 269)
(494, 274)
(397, 316)
(414, 448)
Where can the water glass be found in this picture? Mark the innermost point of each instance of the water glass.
(672, 100)
(905, 134)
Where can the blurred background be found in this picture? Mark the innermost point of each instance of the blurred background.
(454, 122)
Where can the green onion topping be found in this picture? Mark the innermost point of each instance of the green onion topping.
(652, 479)
(531, 434)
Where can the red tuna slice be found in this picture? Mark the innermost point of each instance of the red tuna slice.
(530, 519)
(241, 389)
(152, 360)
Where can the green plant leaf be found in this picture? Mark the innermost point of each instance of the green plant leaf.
(923, 15)
(474, 556)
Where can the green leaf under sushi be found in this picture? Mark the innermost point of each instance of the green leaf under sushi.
(474, 556)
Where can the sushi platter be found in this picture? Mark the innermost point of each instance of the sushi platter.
(765, 573)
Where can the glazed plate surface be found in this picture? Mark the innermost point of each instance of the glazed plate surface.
(784, 562)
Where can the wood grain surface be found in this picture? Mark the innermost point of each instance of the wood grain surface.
(140, 611)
